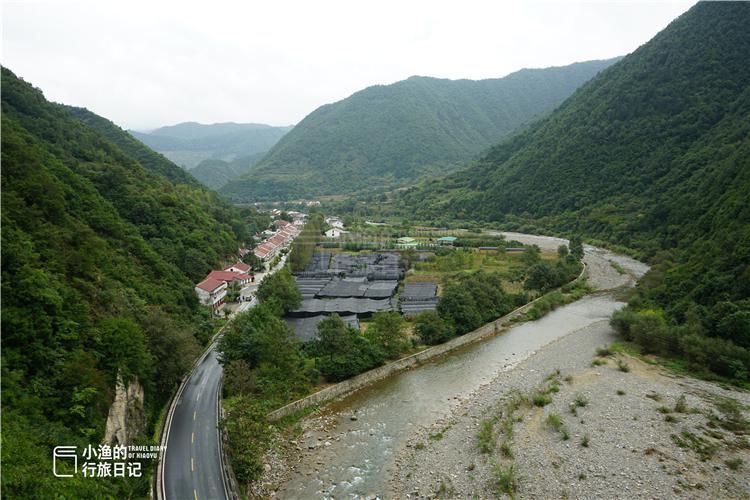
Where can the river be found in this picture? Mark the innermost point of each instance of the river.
(353, 441)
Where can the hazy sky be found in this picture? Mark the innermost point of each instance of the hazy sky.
(145, 64)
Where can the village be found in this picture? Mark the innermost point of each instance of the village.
(354, 271)
(236, 284)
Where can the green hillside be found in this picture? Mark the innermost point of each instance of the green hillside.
(652, 154)
(190, 143)
(388, 136)
(216, 173)
(102, 242)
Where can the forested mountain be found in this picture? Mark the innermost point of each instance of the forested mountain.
(216, 173)
(388, 136)
(188, 144)
(102, 241)
(652, 154)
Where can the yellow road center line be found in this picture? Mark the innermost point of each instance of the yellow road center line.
(195, 493)
(192, 437)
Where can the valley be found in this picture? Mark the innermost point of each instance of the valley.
(453, 286)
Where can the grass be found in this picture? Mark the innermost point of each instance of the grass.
(419, 446)
(689, 441)
(622, 365)
(580, 400)
(731, 418)
(506, 479)
(598, 362)
(486, 437)
(653, 395)
(506, 449)
(734, 463)
(671, 419)
(680, 405)
(617, 267)
(437, 436)
(541, 399)
(585, 441)
(556, 422)
(603, 352)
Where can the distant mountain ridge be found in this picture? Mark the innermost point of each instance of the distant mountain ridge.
(189, 143)
(391, 135)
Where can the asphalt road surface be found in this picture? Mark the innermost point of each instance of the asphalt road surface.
(192, 467)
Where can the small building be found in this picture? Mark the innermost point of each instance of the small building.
(211, 292)
(335, 233)
(335, 222)
(447, 240)
(406, 242)
(230, 278)
(239, 267)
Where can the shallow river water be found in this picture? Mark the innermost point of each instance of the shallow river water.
(352, 457)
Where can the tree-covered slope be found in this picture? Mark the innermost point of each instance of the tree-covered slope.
(387, 136)
(100, 252)
(216, 173)
(652, 154)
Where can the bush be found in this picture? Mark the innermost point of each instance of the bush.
(248, 438)
(433, 329)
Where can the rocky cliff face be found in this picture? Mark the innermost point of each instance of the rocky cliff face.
(126, 419)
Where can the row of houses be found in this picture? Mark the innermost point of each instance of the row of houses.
(213, 289)
(270, 248)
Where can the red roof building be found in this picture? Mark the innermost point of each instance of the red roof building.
(239, 267)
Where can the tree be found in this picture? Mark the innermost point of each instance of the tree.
(541, 277)
(340, 351)
(433, 329)
(388, 332)
(281, 287)
(248, 438)
(532, 255)
(562, 251)
(456, 306)
(576, 246)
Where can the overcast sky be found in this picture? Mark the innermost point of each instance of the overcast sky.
(146, 64)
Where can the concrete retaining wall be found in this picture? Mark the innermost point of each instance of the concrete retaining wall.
(376, 374)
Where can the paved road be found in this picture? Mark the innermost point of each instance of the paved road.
(192, 467)
(192, 461)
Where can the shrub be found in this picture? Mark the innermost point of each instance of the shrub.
(506, 479)
(540, 399)
(485, 437)
(433, 329)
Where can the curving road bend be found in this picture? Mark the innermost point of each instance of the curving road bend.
(192, 460)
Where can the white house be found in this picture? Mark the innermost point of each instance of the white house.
(335, 222)
(211, 292)
(335, 233)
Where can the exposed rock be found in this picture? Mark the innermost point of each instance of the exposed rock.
(126, 420)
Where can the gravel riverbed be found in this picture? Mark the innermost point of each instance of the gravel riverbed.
(627, 425)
